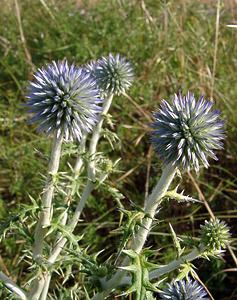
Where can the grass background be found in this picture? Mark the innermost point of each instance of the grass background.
(171, 45)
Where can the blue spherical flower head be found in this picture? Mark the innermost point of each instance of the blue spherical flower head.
(113, 74)
(184, 290)
(187, 132)
(64, 99)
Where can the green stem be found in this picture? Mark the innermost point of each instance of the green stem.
(140, 237)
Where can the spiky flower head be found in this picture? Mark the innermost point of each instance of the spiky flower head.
(215, 235)
(64, 99)
(113, 74)
(184, 290)
(187, 131)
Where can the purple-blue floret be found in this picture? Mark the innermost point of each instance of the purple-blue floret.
(184, 290)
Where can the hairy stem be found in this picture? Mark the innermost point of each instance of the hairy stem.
(71, 191)
(46, 212)
(176, 263)
(90, 182)
(140, 237)
(44, 293)
(45, 215)
(61, 241)
(19, 293)
(151, 207)
(73, 222)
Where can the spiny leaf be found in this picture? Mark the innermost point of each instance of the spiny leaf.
(186, 269)
(72, 238)
(131, 268)
(134, 220)
(86, 293)
(176, 241)
(112, 138)
(140, 268)
(180, 197)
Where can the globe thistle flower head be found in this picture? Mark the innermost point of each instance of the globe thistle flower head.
(64, 100)
(187, 132)
(184, 290)
(90, 68)
(113, 74)
(215, 235)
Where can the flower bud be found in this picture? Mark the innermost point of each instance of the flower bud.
(215, 235)
(113, 74)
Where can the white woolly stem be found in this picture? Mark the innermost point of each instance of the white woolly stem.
(14, 288)
(153, 203)
(139, 239)
(89, 185)
(44, 294)
(37, 287)
(46, 212)
(72, 224)
(41, 285)
(77, 168)
(157, 273)
(86, 192)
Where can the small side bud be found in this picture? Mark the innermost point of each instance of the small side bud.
(215, 235)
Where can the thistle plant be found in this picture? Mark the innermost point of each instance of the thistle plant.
(90, 72)
(184, 135)
(71, 103)
(64, 100)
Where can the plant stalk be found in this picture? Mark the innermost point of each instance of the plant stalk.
(70, 192)
(45, 215)
(140, 237)
(46, 212)
(90, 182)
(195, 253)
(19, 293)
(86, 192)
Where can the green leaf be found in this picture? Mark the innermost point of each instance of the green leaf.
(176, 241)
(140, 267)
